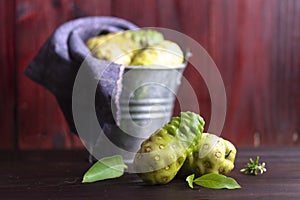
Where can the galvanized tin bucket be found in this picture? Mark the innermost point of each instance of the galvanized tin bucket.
(146, 102)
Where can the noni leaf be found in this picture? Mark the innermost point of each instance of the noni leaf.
(106, 168)
(214, 181)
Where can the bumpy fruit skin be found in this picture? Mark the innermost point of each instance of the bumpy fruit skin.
(93, 42)
(113, 47)
(164, 152)
(165, 53)
(121, 47)
(144, 38)
(212, 154)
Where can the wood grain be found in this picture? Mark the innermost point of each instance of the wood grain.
(58, 175)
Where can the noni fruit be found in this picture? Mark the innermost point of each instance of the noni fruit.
(164, 152)
(212, 154)
(113, 47)
(165, 53)
(144, 38)
(120, 47)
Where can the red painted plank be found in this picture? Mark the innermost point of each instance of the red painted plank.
(255, 44)
(41, 123)
(265, 17)
(284, 75)
(7, 75)
(225, 49)
(241, 113)
(91, 7)
(141, 13)
(39, 116)
(168, 14)
(193, 21)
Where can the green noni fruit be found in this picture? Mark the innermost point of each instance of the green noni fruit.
(121, 47)
(144, 38)
(166, 53)
(164, 152)
(212, 154)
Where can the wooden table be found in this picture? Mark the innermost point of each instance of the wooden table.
(57, 175)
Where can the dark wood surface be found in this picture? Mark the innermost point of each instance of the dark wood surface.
(57, 175)
(254, 43)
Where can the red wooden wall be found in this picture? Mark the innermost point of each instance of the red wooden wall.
(255, 44)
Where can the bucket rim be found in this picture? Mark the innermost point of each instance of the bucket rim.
(187, 55)
(160, 67)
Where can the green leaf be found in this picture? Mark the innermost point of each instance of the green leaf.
(216, 181)
(106, 168)
(190, 180)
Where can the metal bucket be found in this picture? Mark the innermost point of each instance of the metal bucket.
(146, 102)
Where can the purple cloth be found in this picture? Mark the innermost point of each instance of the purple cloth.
(58, 61)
